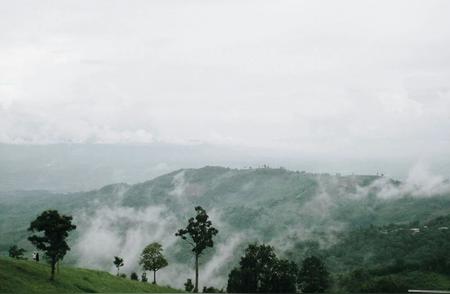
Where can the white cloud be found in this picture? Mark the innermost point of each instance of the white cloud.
(329, 78)
(121, 231)
(420, 182)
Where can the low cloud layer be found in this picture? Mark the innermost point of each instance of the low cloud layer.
(113, 228)
(116, 230)
(322, 78)
(122, 231)
(420, 182)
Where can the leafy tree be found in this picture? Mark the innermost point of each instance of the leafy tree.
(261, 271)
(188, 286)
(55, 228)
(134, 276)
(152, 259)
(16, 252)
(201, 233)
(256, 267)
(313, 276)
(118, 263)
(284, 277)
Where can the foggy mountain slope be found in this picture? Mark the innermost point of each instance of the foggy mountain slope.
(355, 200)
(276, 206)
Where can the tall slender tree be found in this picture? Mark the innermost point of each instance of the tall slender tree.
(198, 233)
(55, 229)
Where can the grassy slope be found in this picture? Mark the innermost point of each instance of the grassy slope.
(21, 276)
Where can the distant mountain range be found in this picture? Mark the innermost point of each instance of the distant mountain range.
(85, 167)
(275, 206)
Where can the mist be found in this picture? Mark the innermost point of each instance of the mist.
(116, 228)
(420, 182)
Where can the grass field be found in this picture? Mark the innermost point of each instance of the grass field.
(21, 276)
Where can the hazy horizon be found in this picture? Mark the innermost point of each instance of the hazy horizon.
(83, 167)
(345, 87)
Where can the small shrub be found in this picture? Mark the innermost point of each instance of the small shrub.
(16, 252)
(188, 286)
(134, 276)
(144, 277)
(212, 290)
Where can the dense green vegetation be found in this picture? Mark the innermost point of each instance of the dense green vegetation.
(390, 258)
(261, 271)
(21, 276)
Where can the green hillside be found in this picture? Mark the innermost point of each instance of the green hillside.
(270, 205)
(21, 276)
(390, 258)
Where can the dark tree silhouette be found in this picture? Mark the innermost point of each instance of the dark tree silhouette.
(284, 277)
(235, 281)
(260, 271)
(313, 277)
(118, 263)
(134, 276)
(152, 259)
(144, 277)
(199, 234)
(16, 252)
(255, 270)
(55, 228)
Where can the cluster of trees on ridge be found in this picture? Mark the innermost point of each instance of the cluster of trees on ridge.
(260, 270)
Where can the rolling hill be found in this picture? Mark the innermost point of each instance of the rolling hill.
(275, 206)
(21, 276)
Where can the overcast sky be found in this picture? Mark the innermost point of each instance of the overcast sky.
(336, 78)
